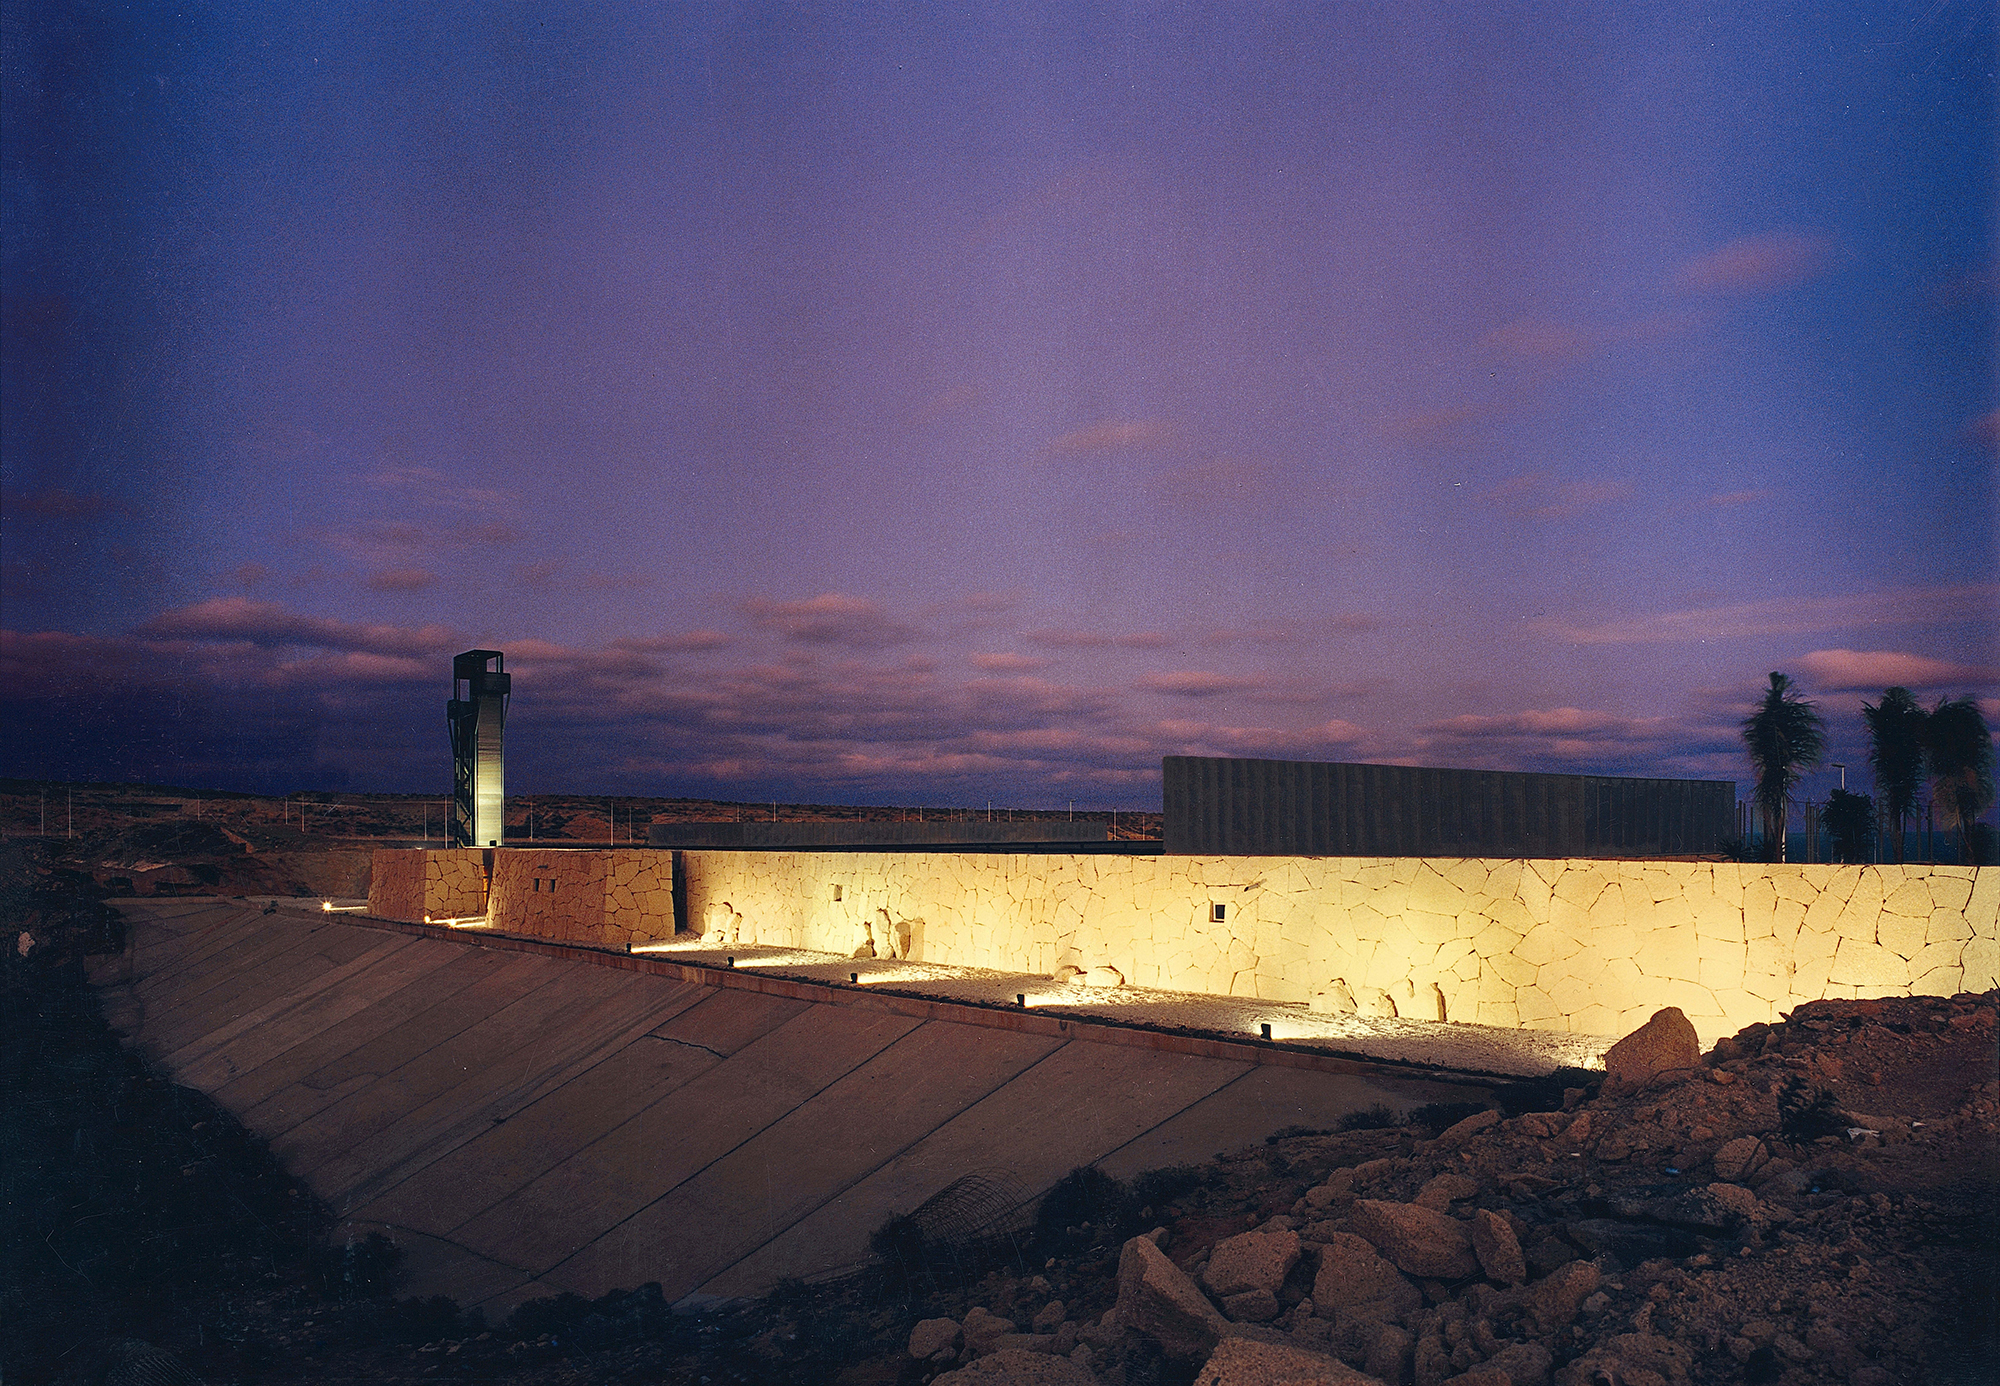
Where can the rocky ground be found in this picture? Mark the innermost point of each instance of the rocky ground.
(1810, 1202)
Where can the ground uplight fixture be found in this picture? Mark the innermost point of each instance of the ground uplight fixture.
(1265, 1029)
(1021, 999)
(854, 977)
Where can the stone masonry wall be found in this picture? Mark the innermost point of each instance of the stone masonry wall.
(1589, 946)
(415, 885)
(610, 898)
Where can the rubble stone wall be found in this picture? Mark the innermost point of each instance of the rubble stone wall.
(415, 885)
(607, 898)
(1587, 946)
(610, 898)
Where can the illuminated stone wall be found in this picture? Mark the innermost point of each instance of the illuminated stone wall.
(414, 885)
(1590, 946)
(610, 899)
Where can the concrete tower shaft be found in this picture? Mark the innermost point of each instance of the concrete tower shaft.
(477, 716)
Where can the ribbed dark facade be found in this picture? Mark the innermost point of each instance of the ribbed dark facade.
(1218, 806)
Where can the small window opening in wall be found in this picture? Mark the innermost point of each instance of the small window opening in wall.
(836, 892)
(1216, 913)
(538, 885)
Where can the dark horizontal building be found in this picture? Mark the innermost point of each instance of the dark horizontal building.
(1219, 806)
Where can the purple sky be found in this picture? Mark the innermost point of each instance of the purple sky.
(950, 403)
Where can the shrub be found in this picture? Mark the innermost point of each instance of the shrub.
(1805, 1113)
(1085, 1195)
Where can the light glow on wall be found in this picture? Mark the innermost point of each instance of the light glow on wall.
(469, 922)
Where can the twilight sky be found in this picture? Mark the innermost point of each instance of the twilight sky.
(953, 402)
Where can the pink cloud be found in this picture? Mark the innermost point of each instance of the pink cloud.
(493, 532)
(683, 643)
(1008, 663)
(1111, 435)
(1085, 639)
(1294, 632)
(1793, 616)
(402, 580)
(1544, 497)
(1757, 264)
(1184, 736)
(268, 624)
(831, 618)
(1577, 739)
(1197, 683)
(1874, 670)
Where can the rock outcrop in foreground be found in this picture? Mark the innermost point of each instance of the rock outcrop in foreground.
(1808, 1203)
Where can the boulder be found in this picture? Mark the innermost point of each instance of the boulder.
(1443, 1190)
(1023, 1342)
(1458, 1133)
(1740, 1158)
(1667, 1041)
(982, 1327)
(1554, 1300)
(1012, 1367)
(1241, 1362)
(1525, 1364)
(1355, 1282)
(1421, 1241)
(1252, 1306)
(1156, 1298)
(1051, 1317)
(1104, 977)
(935, 1338)
(1716, 1208)
(1388, 1352)
(1640, 1359)
(1250, 1261)
(1431, 1360)
(1497, 1248)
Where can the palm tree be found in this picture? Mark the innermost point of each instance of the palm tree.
(1784, 736)
(1959, 750)
(1896, 751)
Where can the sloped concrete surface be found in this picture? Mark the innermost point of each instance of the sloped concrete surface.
(525, 1122)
